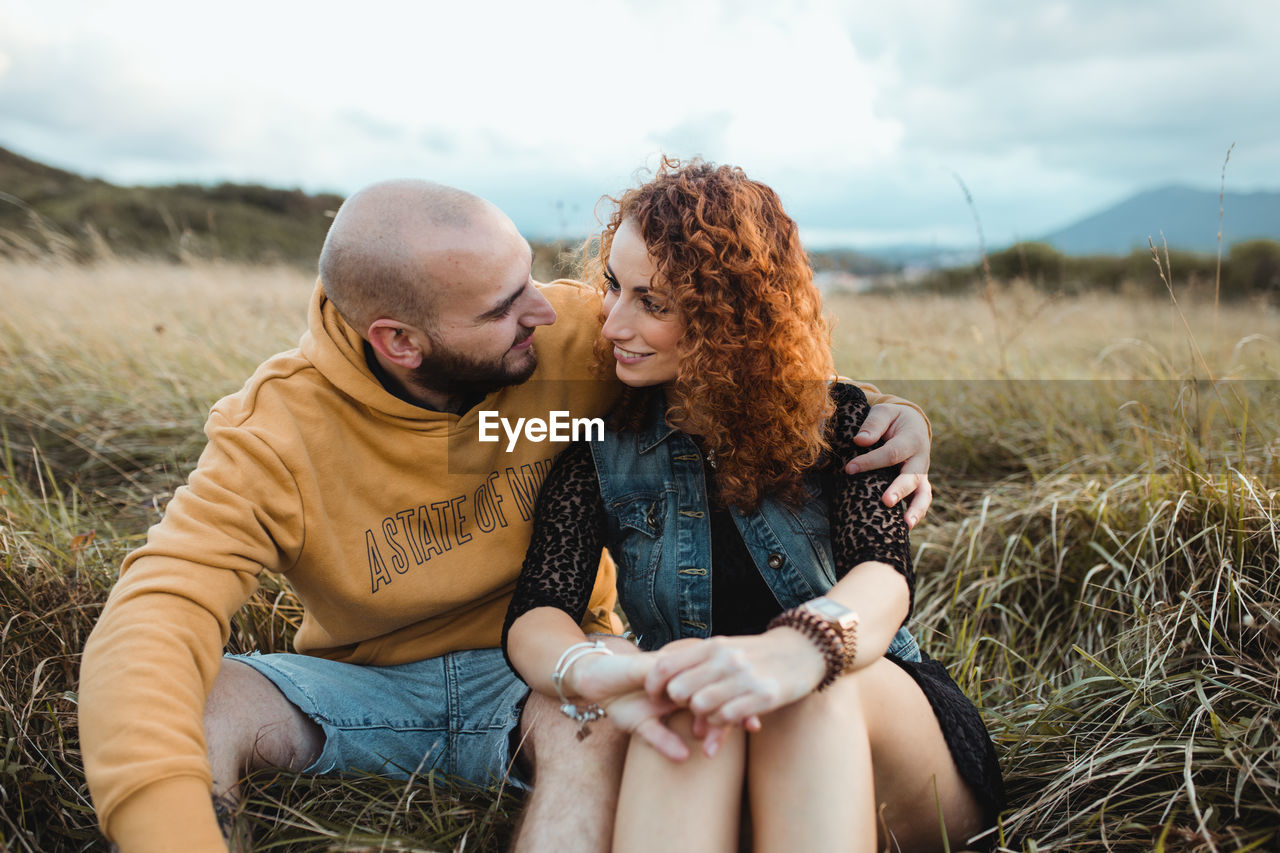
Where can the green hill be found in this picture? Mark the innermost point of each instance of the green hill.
(46, 210)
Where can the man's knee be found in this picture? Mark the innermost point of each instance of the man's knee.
(249, 722)
(549, 738)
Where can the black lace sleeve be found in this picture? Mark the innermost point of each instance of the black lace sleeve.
(862, 527)
(569, 528)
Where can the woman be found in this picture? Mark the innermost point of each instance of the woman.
(717, 489)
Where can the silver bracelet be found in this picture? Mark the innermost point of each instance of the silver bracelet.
(588, 714)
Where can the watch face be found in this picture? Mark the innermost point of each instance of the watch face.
(832, 611)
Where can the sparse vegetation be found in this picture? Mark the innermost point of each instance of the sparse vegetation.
(1249, 269)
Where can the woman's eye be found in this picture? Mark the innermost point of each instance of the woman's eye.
(611, 284)
(653, 307)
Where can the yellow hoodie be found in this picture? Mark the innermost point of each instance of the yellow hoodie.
(400, 531)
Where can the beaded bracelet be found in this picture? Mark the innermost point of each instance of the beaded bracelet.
(826, 638)
(587, 714)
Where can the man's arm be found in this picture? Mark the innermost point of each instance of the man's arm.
(908, 440)
(151, 660)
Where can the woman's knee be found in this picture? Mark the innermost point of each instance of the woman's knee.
(841, 705)
(681, 722)
(729, 741)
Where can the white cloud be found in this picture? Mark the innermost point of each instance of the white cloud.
(859, 113)
(1148, 91)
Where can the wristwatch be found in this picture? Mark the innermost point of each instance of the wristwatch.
(843, 621)
(832, 627)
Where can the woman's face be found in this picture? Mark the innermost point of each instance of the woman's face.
(640, 320)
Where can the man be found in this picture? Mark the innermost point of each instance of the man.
(352, 466)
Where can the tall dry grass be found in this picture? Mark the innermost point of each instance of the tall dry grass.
(1099, 569)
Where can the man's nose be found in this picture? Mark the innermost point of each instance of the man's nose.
(539, 312)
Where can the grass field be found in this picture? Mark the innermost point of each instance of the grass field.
(1101, 568)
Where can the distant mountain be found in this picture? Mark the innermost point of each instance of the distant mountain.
(1188, 219)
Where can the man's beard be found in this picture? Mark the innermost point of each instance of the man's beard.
(457, 375)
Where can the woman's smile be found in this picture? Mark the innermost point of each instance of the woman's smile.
(627, 357)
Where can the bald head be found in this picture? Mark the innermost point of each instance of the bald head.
(376, 260)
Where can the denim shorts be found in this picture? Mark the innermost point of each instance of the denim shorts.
(458, 714)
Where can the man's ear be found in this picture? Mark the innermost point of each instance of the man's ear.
(399, 344)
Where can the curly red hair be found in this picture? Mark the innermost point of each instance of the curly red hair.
(755, 357)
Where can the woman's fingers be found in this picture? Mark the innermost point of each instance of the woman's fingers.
(597, 677)
(745, 711)
(666, 742)
(718, 661)
(725, 702)
(776, 669)
(643, 717)
(713, 737)
(673, 660)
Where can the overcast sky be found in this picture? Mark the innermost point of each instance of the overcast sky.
(862, 114)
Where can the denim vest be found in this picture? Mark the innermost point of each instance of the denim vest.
(655, 497)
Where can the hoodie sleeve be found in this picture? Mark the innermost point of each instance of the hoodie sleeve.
(151, 660)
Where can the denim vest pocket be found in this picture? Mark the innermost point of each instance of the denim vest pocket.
(638, 535)
(636, 544)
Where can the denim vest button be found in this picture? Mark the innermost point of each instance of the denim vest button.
(776, 561)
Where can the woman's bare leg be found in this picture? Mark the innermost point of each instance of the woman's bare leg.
(825, 770)
(691, 805)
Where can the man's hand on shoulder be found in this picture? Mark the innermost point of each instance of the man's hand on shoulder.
(907, 442)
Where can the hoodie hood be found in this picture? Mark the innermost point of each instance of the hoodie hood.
(337, 350)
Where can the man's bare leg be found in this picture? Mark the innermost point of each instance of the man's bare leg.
(576, 782)
(249, 724)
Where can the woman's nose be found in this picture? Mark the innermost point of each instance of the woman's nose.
(615, 326)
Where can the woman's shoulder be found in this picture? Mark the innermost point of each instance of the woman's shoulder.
(851, 408)
(575, 454)
(850, 400)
